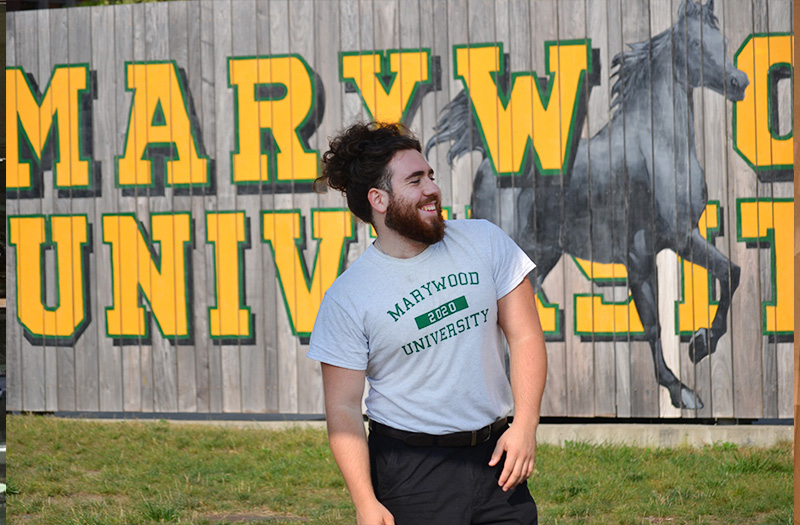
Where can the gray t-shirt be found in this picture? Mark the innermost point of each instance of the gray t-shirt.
(425, 329)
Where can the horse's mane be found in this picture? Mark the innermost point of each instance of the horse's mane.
(632, 68)
(458, 125)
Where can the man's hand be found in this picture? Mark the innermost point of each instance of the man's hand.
(343, 391)
(373, 513)
(519, 445)
(516, 313)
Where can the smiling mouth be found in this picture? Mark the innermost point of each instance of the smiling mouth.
(431, 206)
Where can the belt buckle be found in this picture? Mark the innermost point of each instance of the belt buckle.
(474, 440)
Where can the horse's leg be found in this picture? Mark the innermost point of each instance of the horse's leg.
(642, 282)
(538, 241)
(485, 194)
(700, 251)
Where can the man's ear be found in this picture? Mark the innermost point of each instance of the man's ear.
(378, 199)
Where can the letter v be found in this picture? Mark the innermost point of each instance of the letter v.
(302, 294)
(387, 81)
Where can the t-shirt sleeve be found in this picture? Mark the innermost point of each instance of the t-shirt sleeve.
(510, 265)
(337, 338)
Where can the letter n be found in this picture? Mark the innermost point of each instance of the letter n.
(53, 128)
(161, 278)
(302, 292)
(64, 322)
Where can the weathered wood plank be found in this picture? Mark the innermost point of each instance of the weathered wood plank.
(309, 375)
(226, 193)
(48, 205)
(210, 80)
(606, 384)
(179, 46)
(104, 127)
(557, 391)
(746, 305)
(632, 18)
(13, 335)
(198, 378)
(253, 358)
(14, 341)
(132, 379)
(86, 352)
(266, 290)
(715, 114)
(781, 18)
(165, 395)
(33, 358)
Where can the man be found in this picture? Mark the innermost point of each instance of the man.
(420, 314)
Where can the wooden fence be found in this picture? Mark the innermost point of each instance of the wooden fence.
(166, 252)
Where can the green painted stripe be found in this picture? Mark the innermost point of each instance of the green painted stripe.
(437, 314)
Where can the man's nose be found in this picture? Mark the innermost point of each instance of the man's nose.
(430, 187)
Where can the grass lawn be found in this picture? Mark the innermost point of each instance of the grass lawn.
(72, 471)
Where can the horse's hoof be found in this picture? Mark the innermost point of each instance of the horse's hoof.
(690, 400)
(698, 349)
(683, 397)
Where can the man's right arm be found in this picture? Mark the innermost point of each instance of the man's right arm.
(344, 389)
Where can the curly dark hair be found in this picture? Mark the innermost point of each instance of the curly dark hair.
(357, 161)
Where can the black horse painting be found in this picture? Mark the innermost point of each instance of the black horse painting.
(636, 187)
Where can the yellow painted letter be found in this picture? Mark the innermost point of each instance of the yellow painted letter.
(302, 293)
(511, 122)
(695, 309)
(30, 119)
(227, 231)
(771, 223)
(387, 81)
(65, 321)
(159, 118)
(593, 315)
(765, 59)
(161, 278)
(274, 95)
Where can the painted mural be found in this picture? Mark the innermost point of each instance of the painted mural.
(167, 252)
(659, 180)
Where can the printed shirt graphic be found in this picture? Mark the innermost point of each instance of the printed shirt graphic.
(425, 329)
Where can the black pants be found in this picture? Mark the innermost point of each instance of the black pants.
(445, 485)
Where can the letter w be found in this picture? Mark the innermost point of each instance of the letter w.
(511, 122)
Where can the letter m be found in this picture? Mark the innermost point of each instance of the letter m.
(49, 130)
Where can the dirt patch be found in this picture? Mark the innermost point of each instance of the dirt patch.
(252, 517)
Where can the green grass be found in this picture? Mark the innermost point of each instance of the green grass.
(71, 471)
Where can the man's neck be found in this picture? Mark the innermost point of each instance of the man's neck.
(395, 245)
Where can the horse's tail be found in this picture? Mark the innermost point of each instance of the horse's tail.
(457, 125)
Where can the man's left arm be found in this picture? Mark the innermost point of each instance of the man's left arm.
(519, 321)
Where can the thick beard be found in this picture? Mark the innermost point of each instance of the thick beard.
(403, 217)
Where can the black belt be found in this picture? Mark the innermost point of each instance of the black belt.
(457, 439)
